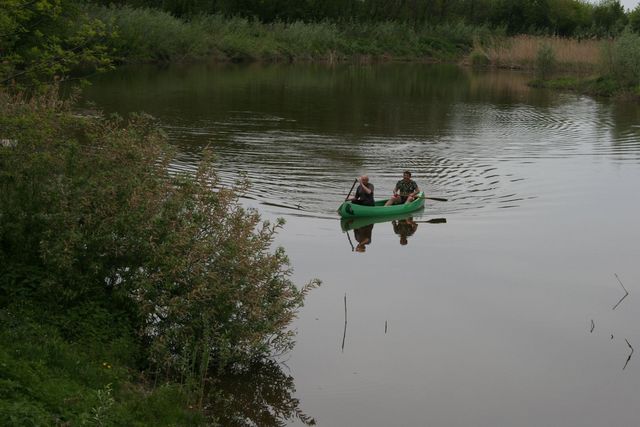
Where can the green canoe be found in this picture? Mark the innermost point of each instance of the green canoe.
(350, 210)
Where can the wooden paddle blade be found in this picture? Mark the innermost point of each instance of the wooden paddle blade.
(439, 199)
(433, 221)
(437, 221)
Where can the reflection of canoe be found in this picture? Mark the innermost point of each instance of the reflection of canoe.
(358, 222)
(350, 210)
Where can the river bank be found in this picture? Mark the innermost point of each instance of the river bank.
(154, 36)
(148, 35)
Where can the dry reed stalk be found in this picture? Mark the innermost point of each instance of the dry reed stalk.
(521, 52)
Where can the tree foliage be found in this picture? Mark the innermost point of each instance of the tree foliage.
(43, 40)
(560, 17)
(89, 216)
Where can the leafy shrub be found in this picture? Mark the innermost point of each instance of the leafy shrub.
(89, 215)
(479, 59)
(142, 35)
(625, 59)
(545, 61)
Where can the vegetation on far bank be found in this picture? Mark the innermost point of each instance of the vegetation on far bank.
(565, 18)
(616, 74)
(148, 35)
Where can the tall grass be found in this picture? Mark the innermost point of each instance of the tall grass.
(618, 66)
(147, 35)
(570, 54)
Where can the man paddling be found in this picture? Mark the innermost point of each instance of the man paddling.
(364, 192)
(405, 190)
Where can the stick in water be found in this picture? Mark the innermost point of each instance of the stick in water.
(344, 334)
(626, 293)
(630, 354)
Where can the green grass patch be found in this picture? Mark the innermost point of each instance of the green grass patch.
(46, 379)
(597, 86)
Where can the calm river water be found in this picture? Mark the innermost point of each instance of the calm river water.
(500, 316)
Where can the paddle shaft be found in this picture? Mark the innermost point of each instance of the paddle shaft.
(439, 199)
(354, 184)
(433, 221)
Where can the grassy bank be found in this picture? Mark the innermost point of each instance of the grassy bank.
(618, 73)
(150, 35)
(47, 378)
(609, 67)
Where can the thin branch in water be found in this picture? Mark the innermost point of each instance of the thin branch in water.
(344, 334)
(626, 293)
(345, 308)
(619, 281)
(593, 326)
(630, 354)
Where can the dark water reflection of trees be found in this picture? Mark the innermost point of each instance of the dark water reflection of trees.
(262, 394)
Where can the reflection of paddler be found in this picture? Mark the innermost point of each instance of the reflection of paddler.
(404, 228)
(363, 237)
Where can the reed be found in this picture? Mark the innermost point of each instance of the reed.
(521, 52)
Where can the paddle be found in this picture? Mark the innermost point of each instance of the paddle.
(439, 199)
(354, 184)
(433, 221)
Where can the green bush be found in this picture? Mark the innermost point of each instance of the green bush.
(90, 217)
(545, 62)
(625, 59)
(143, 35)
(479, 59)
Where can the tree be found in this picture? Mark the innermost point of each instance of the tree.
(634, 19)
(609, 18)
(89, 216)
(45, 40)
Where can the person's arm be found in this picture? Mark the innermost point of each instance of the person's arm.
(416, 191)
(364, 187)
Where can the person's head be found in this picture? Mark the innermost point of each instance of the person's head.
(364, 179)
(406, 175)
(403, 240)
(361, 247)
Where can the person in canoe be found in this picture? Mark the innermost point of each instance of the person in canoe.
(364, 192)
(405, 190)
